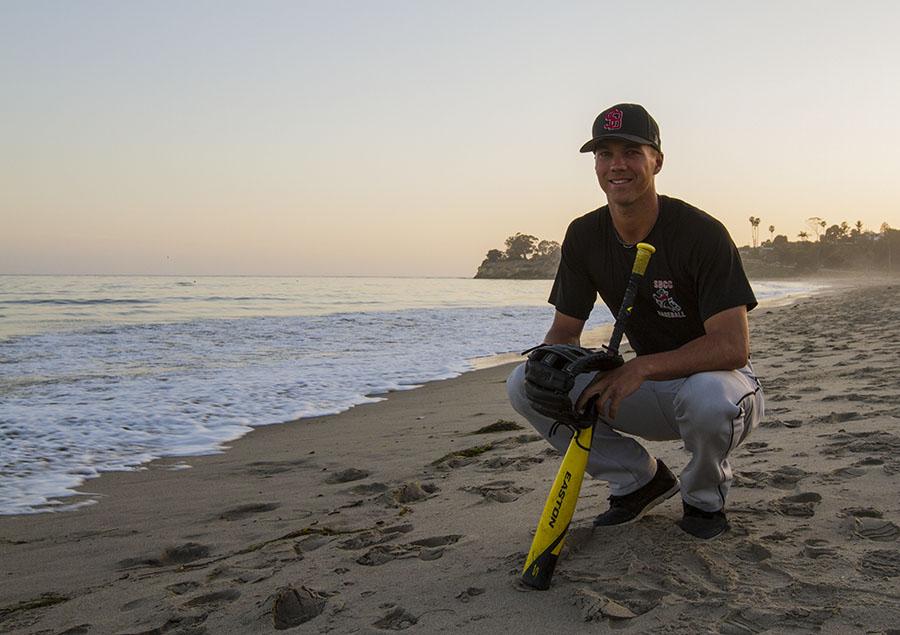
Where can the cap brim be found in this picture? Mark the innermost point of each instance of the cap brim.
(591, 145)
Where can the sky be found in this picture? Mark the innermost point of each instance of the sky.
(402, 137)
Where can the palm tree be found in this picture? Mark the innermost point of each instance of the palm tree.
(803, 236)
(771, 233)
(817, 224)
(754, 230)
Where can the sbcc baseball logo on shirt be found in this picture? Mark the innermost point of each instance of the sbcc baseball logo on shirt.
(668, 307)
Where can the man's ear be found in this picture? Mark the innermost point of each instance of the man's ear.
(659, 162)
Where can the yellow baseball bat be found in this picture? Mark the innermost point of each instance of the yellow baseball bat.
(560, 506)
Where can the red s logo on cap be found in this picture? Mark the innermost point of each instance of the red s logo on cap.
(613, 119)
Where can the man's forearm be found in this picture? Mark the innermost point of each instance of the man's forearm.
(557, 336)
(713, 351)
(564, 330)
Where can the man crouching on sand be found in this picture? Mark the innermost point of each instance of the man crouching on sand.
(691, 379)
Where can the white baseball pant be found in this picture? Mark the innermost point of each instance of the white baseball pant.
(711, 412)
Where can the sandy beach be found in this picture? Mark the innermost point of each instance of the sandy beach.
(417, 512)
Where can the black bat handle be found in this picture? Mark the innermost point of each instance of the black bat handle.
(641, 259)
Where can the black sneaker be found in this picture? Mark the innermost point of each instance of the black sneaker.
(703, 525)
(631, 507)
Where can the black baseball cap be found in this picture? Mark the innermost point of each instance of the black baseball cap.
(624, 121)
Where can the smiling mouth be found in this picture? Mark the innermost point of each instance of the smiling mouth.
(619, 181)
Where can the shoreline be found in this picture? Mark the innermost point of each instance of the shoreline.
(592, 338)
(599, 335)
(403, 489)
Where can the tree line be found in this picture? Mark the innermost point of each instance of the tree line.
(819, 227)
(836, 246)
(839, 246)
(521, 246)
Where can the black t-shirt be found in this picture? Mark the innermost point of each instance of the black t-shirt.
(695, 273)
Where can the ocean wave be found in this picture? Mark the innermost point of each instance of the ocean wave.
(117, 398)
(104, 394)
(77, 301)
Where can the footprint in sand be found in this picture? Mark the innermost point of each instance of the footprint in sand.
(875, 529)
(81, 629)
(752, 552)
(185, 624)
(180, 588)
(180, 554)
(862, 512)
(424, 549)
(375, 537)
(225, 595)
(843, 474)
(882, 563)
(437, 541)
(266, 469)
(411, 492)
(596, 607)
(781, 423)
(622, 603)
(510, 463)
(881, 448)
(799, 505)
(751, 620)
(498, 491)
(251, 571)
(382, 554)
(292, 607)
(368, 489)
(816, 548)
(757, 447)
(785, 477)
(397, 619)
(750, 480)
(245, 511)
(837, 417)
(347, 476)
(467, 595)
(311, 543)
(140, 603)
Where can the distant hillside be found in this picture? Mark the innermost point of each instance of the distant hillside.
(833, 252)
(525, 258)
(534, 269)
(839, 251)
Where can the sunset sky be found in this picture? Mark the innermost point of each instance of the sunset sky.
(408, 137)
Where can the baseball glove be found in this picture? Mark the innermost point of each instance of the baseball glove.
(550, 374)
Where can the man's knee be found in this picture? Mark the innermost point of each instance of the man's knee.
(704, 404)
(515, 390)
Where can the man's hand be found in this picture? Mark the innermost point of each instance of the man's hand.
(613, 387)
(725, 346)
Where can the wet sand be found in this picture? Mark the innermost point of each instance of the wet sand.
(407, 514)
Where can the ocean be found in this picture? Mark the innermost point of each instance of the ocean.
(103, 373)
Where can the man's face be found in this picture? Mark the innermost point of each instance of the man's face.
(626, 170)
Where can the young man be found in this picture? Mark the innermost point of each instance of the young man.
(691, 378)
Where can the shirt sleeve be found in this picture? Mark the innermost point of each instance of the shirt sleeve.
(721, 281)
(572, 293)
